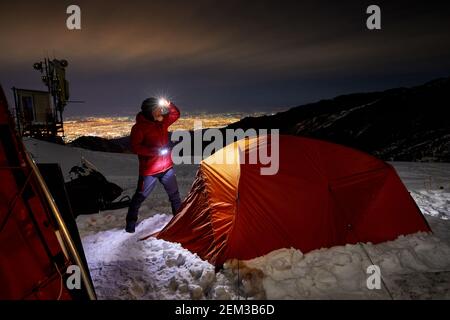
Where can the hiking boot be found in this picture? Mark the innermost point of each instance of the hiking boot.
(130, 227)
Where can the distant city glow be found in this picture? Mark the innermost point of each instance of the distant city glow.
(116, 127)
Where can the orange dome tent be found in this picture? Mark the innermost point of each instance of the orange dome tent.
(323, 195)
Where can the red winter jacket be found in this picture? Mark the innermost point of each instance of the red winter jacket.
(148, 138)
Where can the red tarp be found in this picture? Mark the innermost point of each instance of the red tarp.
(29, 248)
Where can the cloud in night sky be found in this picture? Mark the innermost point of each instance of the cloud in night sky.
(223, 55)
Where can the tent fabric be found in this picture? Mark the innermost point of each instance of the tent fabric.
(323, 195)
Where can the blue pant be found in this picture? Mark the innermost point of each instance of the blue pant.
(146, 184)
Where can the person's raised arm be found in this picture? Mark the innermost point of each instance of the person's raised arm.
(137, 147)
(173, 115)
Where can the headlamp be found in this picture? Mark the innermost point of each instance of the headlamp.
(162, 102)
(163, 151)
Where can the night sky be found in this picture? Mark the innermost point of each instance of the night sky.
(219, 56)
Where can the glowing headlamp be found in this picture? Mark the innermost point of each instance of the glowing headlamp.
(163, 102)
(163, 151)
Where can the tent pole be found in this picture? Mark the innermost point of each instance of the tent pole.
(62, 226)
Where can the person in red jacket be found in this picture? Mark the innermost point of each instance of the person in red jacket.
(150, 141)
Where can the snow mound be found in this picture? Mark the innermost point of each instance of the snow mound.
(341, 272)
(123, 267)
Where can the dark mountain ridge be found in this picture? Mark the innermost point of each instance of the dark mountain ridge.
(402, 124)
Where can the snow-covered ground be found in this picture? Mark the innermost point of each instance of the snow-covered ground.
(412, 267)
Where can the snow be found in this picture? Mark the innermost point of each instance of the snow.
(122, 267)
(341, 271)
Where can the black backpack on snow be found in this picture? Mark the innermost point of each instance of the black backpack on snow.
(90, 192)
